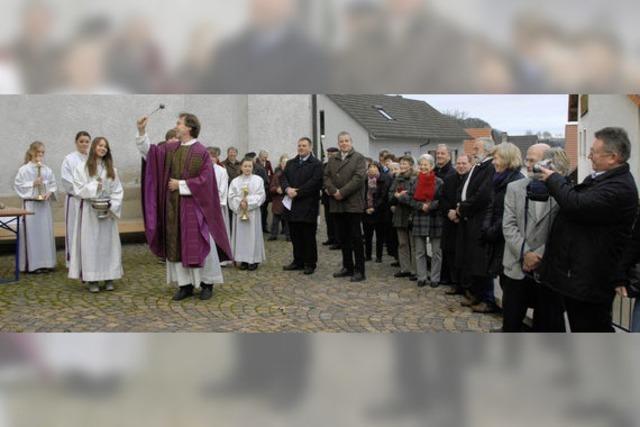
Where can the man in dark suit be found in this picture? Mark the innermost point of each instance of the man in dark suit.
(448, 204)
(302, 183)
(344, 181)
(472, 255)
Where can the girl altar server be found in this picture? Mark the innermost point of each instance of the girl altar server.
(96, 253)
(36, 186)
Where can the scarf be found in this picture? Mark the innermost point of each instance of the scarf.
(371, 191)
(499, 178)
(425, 187)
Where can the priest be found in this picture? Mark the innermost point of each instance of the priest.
(183, 219)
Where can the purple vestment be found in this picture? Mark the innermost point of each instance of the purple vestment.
(200, 213)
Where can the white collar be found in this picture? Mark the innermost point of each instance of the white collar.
(193, 141)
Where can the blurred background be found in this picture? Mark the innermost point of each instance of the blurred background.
(306, 46)
(275, 380)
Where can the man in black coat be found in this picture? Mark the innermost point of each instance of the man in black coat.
(443, 170)
(451, 190)
(302, 183)
(590, 232)
(472, 255)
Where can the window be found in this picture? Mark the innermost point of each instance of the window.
(382, 112)
(322, 123)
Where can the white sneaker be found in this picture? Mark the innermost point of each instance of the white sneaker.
(93, 287)
(108, 286)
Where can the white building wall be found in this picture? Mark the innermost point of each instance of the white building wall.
(55, 120)
(336, 121)
(608, 110)
(276, 122)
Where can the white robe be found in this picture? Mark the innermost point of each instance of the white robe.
(211, 271)
(247, 242)
(37, 240)
(71, 202)
(96, 252)
(222, 178)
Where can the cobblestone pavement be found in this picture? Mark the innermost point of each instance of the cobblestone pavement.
(266, 300)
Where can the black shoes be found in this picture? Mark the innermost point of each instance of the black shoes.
(357, 277)
(413, 277)
(328, 243)
(243, 266)
(401, 274)
(252, 267)
(422, 283)
(434, 285)
(292, 267)
(309, 270)
(183, 292)
(206, 292)
(395, 264)
(335, 247)
(378, 260)
(272, 238)
(343, 273)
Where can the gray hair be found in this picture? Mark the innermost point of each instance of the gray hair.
(468, 157)
(445, 146)
(345, 133)
(427, 157)
(559, 159)
(487, 144)
(616, 141)
(263, 153)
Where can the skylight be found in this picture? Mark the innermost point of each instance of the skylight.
(382, 112)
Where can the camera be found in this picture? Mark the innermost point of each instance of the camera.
(547, 164)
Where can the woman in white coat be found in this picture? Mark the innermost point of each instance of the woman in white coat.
(96, 252)
(35, 184)
(246, 195)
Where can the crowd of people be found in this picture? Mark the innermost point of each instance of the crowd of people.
(555, 246)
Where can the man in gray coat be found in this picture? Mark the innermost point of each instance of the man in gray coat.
(529, 212)
(344, 182)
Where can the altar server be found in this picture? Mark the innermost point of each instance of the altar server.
(246, 195)
(96, 253)
(71, 201)
(35, 184)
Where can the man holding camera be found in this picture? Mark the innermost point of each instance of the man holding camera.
(529, 212)
(589, 234)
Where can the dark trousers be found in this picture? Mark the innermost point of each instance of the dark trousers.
(380, 230)
(275, 225)
(264, 211)
(391, 240)
(330, 221)
(589, 316)
(445, 270)
(348, 226)
(305, 247)
(519, 295)
(449, 266)
(482, 289)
